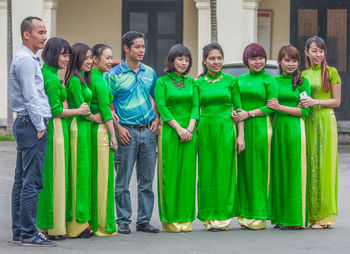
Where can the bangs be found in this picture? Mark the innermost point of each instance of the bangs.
(292, 53)
(67, 49)
(253, 50)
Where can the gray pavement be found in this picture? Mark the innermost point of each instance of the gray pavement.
(199, 241)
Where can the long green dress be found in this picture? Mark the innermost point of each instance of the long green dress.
(176, 160)
(103, 218)
(254, 162)
(217, 158)
(51, 216)
(322, 151)
(288, 158)
(79, 188)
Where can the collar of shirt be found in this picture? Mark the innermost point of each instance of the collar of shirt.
(29, 52)
(126, 68)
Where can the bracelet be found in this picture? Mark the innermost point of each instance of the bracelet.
(189, 130)
(319, 102)
(249, 114)
(252, 114)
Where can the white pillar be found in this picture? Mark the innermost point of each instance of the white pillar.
(49, 16)
(3, 63)
(204, 30)
(20, 10)
(229, 21)
(250, 21)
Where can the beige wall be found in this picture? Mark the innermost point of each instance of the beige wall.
(280, 23)
(96, 23)
(190, 33)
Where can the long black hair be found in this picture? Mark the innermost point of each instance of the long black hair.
(77, 58)
(325, 83)
(293, 53)
(206, 50)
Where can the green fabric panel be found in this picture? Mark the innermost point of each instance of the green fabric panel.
(54, 89)
(177, 189)
(101, 96)
(334, 77)
(110, 220)
(286, 168)
(93, 223)
(78, 93)
(56, 95)
(44, 218)
(160, 92)
(259, 85)
(322, 153)
(253, 171)
(83, 183)
(217, 189)
(110, 227)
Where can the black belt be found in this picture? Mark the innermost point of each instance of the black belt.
(138, 127)
(27, 118)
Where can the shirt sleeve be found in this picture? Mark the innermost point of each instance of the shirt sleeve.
(195, 101)
(110, 78)
(334, 77)
(102, 93)
(77, 92)
(26, 74)
(160, 98)
(236, 94)
(53, 93)
(154, 84)
(305, 87)
(272, 93)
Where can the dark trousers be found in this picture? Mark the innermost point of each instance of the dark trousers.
(28, 180)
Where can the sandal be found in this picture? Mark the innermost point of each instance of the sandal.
(316, 226)
(215, 229)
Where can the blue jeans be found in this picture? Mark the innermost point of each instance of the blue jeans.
(142, 151)
(28, 180)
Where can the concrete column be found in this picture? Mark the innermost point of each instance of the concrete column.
(3, 63)
(250, 21)
(20, 10)
(229, 22)
(204, 30)
(49, 16)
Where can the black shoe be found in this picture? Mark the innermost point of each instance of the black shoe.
(87, 233)
(146, 227)
(124, 229)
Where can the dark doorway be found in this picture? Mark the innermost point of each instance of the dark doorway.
(162, 23)
(328, 19)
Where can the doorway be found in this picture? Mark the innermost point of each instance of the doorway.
(328, 19)
(162, 23)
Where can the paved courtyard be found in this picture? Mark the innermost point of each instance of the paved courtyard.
(332, 241)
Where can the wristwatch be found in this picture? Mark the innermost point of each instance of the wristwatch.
(252, 113)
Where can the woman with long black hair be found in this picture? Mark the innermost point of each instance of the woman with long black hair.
(288, 197)
(51, 216)
(77, 80)
(322, 134)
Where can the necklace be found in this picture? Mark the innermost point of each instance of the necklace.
(213, 81)
(179, 84)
